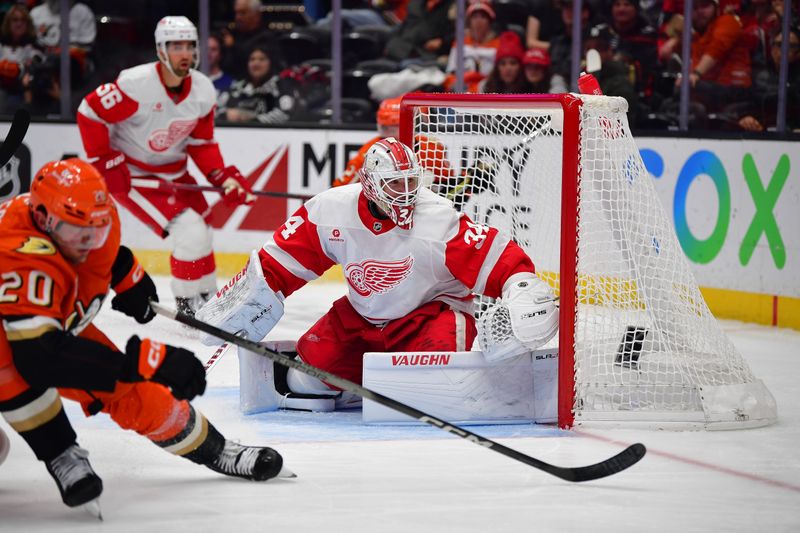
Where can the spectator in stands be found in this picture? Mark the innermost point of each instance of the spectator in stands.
(47, 22)
(536, 63)
(507, 75)
(425, 34)
(669, 37)
(777, 5)
(17, 52)
(480, 46)
(615, 76)
(760, 113)
(634, 41)
(652, 11)
(255, 97)
(221, 79)
(83, 30)
(394, 11)
(248, 28)
(544, 23)
(759, 20)
(364, 13)
(720, 71)
(561, 45)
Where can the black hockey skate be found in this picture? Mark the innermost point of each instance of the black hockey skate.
(249, 462)
(74, 476)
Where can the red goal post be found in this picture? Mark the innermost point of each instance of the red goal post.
(562, 175)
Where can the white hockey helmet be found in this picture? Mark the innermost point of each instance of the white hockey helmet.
(391, 178)
(175, 28)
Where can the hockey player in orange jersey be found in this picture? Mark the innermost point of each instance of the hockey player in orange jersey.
(61, 253)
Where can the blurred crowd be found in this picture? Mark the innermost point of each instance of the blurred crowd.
(270, 61)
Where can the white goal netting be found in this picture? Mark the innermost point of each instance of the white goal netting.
(646, 347)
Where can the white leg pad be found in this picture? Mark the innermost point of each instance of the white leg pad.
(257, 392)
(190, 236)
(464, 388)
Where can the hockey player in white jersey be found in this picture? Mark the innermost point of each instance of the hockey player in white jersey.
(412, 265)
(144, 125)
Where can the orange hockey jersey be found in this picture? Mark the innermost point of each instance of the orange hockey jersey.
(39, 289)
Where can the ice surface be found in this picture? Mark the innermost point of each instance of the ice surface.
(358, 478)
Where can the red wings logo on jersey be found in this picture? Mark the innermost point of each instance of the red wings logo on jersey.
(161, 140)
(372, 276)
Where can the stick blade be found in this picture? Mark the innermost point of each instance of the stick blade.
(623, 460)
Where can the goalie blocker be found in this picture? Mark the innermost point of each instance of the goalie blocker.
(462, 387)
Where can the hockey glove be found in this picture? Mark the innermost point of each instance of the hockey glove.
(237, 190)
(115, 171)
(533, 310)
(174, 367)
(133, 286)
(525, 319)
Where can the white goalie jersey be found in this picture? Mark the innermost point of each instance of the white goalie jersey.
(391, 271)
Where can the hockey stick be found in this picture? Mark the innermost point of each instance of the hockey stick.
(626, 458)
(216, 356)
(166, 185)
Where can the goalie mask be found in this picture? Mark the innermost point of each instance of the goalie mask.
(171, 29)
(391, 178)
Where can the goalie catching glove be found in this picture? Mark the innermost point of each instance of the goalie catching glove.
(524, 320)
(174, 367)
(245, 306)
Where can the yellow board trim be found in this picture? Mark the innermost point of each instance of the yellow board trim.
(782, 311)
(772, 310)
(228, 264)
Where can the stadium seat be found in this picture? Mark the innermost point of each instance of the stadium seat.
(360, 46)
(302, 44)
(354, 83)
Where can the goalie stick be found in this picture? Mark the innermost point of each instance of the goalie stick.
(161, 184)
(626, 458)
(216, 356)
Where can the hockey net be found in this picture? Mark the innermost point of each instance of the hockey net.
(562, 176)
